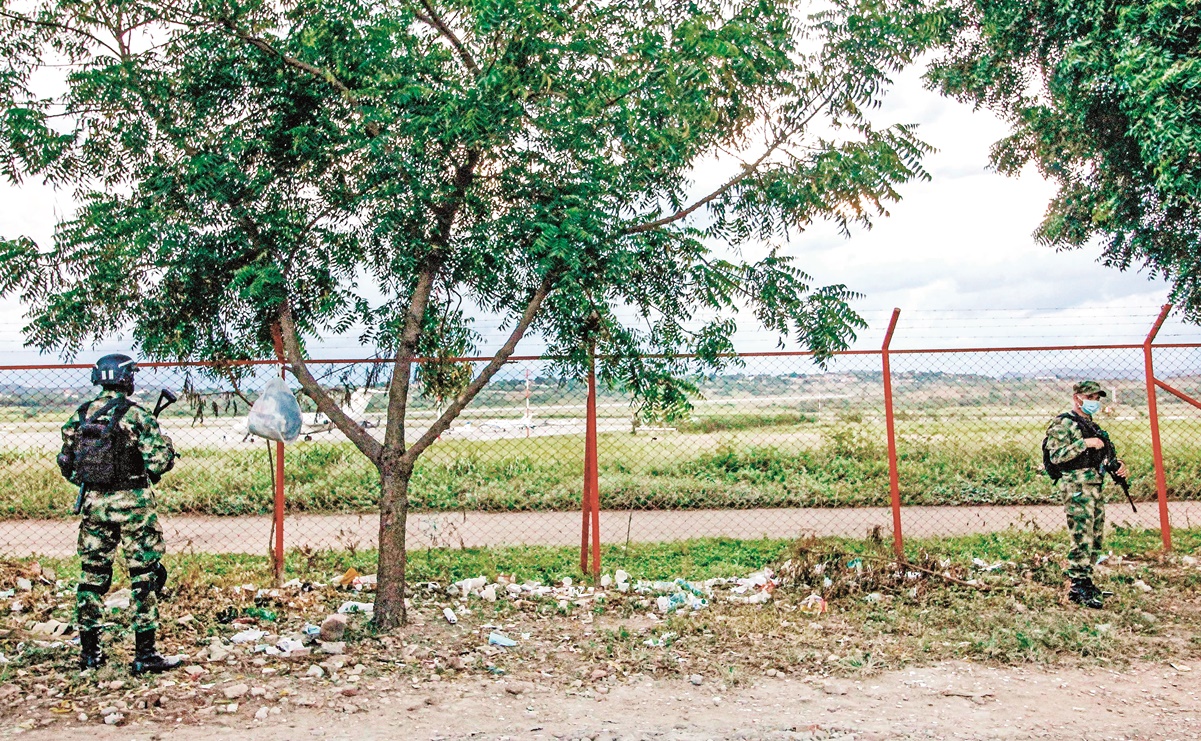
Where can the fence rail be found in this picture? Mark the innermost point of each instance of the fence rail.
(904, 441)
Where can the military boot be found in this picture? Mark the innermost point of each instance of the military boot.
(146, 659)
(1084, 592)
(90, 656)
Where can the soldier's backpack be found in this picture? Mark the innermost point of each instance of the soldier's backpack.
(1086, 459)
(105, 458)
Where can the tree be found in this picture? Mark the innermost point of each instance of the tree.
(244, 166)
(1104, 97)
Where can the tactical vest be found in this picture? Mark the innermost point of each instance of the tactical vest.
(106, 458)
(1090, 458)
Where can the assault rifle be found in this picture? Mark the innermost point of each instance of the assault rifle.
(165, 399)
(1110, 464)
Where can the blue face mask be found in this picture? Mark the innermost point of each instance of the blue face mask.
(1090, 406)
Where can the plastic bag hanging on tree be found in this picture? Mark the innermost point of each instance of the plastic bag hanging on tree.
(276, 414)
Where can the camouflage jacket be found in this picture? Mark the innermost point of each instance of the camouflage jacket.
(1065, 442)
(157, 451)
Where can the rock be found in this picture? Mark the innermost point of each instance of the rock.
(110, 710)
(834, 688)
(113, 719)
(349, 692)
(258, 692)
(333, 647)
(488, 593)
(116, 684)
(598, 674)
(218, 651)
(333, 628)
(24, 584)
(518, 688)
(82, 717)
(423, 702)
(186, 619)
(262, 714)
(315, 671)
(193, 670)
(696, 679)
(1142, 585)
(230, 708)
(234, 691)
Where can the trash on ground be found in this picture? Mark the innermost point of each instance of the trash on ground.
(499, 639)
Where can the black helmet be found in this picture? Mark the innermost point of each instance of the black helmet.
(115, 372)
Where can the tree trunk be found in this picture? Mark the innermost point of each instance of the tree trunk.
(390, 574)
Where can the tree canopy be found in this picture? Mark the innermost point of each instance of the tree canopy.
(1104, 97)
(327, 166)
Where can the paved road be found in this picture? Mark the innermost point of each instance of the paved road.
(455, 529)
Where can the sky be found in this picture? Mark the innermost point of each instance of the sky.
(956, 255)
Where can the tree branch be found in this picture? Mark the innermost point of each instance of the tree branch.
(432, 19)
(464, 398)
(356, 434)
(60, 26)
(444, 215)
(747, 170)
(350, 96)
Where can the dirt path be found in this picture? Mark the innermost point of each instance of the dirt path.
(251, 534)
(947, 701)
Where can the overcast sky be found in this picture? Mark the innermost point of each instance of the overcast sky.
(956, 254)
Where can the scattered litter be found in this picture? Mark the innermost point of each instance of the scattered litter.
(814, 604)
(1142, 585)
(348, 578)
(289, 646)
(1181, 667)
(450, 615)
(662, 641)
(367, 608)
(248, 636)
(25, 585)
(118, 600)
(51, 628)
(499, 639)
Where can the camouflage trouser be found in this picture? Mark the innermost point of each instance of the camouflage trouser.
(1086, 524)
(125, 518)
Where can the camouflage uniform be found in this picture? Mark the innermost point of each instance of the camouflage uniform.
(1082, 499)
(125, 517)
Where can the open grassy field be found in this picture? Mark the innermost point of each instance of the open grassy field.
(762, 457)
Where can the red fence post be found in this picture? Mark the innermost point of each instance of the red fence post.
(1161, 481)
(894, 480)
(591, 497)
(277, 553)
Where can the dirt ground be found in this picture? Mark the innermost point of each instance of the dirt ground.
(944, 701)
(22, 538)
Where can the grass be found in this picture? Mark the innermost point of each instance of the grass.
(772, 459)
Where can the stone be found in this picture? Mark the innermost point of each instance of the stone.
(488, 593)
(235, 691)
(834, 688)
(696, 679)
(1142, 585)
(333, 628)
(258, 691)
(333, 647)
(315, 671)
(116, 684)
(598, 674)
(518, 688)
(24, 584)
(262, 714)
(113, 719)
(193, 670)
(230, 708)
(82, 717)
(110, 710)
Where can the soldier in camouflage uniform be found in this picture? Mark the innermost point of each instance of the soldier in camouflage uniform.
(121, 513)
(1079, 458)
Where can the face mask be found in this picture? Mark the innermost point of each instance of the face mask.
(1090, 406)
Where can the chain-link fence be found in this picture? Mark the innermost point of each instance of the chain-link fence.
(775, 447)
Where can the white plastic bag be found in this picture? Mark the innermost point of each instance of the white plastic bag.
(275, 414)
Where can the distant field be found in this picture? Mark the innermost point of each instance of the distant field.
(760, 456)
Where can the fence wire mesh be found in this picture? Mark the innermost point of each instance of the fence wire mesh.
(774, 447)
